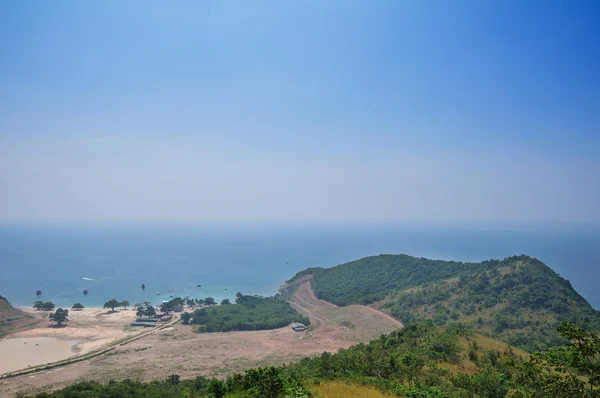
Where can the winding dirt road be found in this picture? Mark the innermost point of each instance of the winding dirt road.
(322, 313)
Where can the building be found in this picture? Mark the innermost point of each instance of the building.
(298, 327)
(145, 324)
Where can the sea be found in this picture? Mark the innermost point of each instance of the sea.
(219, 261)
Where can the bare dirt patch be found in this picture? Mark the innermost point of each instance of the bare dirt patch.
(92, 328)
(180, 351)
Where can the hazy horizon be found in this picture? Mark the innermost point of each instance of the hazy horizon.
(390, 112)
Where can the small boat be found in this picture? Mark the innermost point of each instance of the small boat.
(38, 292)
(171, 295)
(198, 285)
(86, 291)
(158, 293)
(143, 286)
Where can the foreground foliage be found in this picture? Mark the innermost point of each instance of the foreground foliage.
(249, 313)
(421, 360)
(268, 382)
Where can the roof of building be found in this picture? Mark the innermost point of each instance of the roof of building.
(143, 324)
(296, 325)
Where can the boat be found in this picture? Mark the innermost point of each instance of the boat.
(198, 285)
(86, 291)
(157, 293)
(143, 286)
(38, 292)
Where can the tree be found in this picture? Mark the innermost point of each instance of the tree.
(112, 304)
(146, 310)
(225, 302)
(38, 305)
(59, 316)
(124, 304)
(167, 307)
(190, 302)
(173, 379)
(568, 371)
(48, 306)
(77, 307)
(185, 317)
(209, 301)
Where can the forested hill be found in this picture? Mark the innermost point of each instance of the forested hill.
(371, 279)
(519, 300)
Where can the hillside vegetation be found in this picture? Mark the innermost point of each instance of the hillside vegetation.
(12, 319)
(373, 278)
(421, 360)
(249, 313)
(518, 300)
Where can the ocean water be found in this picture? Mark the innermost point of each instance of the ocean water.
(113, 262)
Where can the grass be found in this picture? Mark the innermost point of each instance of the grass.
(348, 324)
(338, 389)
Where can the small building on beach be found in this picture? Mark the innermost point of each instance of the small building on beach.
(298, 327)
(144, 324)
(166, 318)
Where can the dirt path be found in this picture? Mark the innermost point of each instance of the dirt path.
(306, 302)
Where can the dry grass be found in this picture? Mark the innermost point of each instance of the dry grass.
(338, 389)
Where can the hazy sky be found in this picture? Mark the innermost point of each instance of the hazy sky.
(328, 111)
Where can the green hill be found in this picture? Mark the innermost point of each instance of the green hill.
(12, 319)
(518, 300)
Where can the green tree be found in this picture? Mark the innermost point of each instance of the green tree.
(185, 317)
(38, 305)
(225, 302)
(77, 307)
(146, 310)
(264, 382)
(59, 316)
(570, 371)
(167, 307)
(209, 301)
(112, 304)
(48, 306)
(173, 379)
(124, 304)
(216, 388)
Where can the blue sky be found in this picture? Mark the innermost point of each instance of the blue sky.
(300, 111)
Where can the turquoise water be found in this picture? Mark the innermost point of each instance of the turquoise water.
(113, 262)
